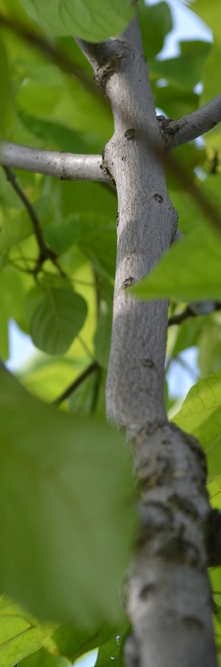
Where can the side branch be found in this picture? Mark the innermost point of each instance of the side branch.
(178, 132)
(67, 166)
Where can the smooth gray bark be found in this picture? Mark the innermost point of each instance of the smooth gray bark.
(167, 595)
(67, 166)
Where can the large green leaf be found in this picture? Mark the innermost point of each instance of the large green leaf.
(93, 20)
(18, 633)
(181, 272)
(57, 320)
(66, 518)
(155, 23)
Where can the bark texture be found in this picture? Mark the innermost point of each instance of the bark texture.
(167, 595)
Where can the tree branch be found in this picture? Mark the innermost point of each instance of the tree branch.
(67, 166)
(187, 128)
(74, 385)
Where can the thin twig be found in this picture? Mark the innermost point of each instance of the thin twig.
(189, 312)
(45, 251)
(90, 369)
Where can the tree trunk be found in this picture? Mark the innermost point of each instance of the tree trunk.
(167, 597)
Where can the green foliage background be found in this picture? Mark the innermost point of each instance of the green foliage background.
(49, 100)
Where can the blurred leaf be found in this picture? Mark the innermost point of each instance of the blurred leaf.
(57, 320)
(102, 338)
(210, 12)
(43, 659)
(184, 71)
(72, 642)
(175, 104)
(17, 227)
(54, 135)
(4, 84)
(67, 518)
(180, 273)
(155, 23)
(92, 20)
(18, 633)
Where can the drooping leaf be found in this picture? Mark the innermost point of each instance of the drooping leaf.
(181, 273)
(57, 320)
(92, 20)
(18, 633)
(66, 517)
(155, 23)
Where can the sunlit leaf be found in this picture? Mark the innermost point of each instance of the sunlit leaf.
(57, 320)
(18, 633)
(63, 551)
(93, 20)
(200, 415)
(181, 272)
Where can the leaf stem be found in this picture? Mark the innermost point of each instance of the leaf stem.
(74, 385)
(44, 251)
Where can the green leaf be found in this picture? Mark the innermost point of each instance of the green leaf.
(66, 518)
(200, 415)
(43, 659)
(155, 23)
(18, 633)
(16, 228)
(92, 20)
(184, 71)
(181, 273)
(73, 642)
(57, 320)
(94, 234)
(54, 134)
(4, 84)
(210, 12)
(102, 338)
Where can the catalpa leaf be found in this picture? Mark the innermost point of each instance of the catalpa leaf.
(66, 511)
(57, 320)
(18, 633)
(93, 20)
(181, 272)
